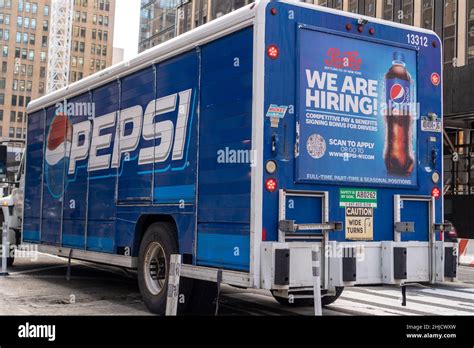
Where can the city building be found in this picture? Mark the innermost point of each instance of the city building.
(163, 20)
(24, 37)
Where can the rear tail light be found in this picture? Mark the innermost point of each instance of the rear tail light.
(271, 185)
(273, 52)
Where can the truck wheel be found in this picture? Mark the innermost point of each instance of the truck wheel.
(327, 300)
(308, 302)
(157, 245)
(10, 260)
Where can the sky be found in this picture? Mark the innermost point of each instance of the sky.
(127, 22)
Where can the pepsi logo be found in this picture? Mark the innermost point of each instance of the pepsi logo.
(58, 150)
(397, 93)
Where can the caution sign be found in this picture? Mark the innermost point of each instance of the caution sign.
(359, 223)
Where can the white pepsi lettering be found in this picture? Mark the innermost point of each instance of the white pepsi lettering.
(79, 151)
(324, 81)
(127, 143)
(161, 130)
(181, 125)
(100, 142)
(169, 139)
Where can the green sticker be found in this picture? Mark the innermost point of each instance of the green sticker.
(357, 198)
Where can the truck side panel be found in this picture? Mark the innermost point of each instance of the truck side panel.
(34, 168)
(135, 184)
(75, 195)
(224, 152)
(101, 198)
(54, 170)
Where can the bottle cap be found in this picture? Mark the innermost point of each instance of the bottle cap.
(400, 57)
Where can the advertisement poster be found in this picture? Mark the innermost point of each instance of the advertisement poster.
(357, 111)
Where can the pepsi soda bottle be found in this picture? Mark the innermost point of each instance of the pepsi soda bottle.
(398, 156)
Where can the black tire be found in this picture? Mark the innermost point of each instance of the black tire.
(308, 302)
(10, 260)
(327, 300)
(153, 271)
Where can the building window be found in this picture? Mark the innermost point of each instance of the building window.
(370, 8)
(337, 4)
(12, 116)
(449, 31)
(45, 25)
(1, 117)
(407, 12)
(46, 10)
(354, 6)
(184, 15)
(402, 14)
(2, 83)
(2, 98)
(11, 132)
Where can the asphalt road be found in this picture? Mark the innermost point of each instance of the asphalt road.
(41, 288)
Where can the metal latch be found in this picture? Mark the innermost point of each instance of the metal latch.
(291, 226)
(405, 227)
(446, 227)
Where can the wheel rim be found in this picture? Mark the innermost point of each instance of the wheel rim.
(155, 268)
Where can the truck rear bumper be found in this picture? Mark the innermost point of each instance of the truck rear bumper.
(288, 265)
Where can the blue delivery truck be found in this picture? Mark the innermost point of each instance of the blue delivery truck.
(241, 145)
